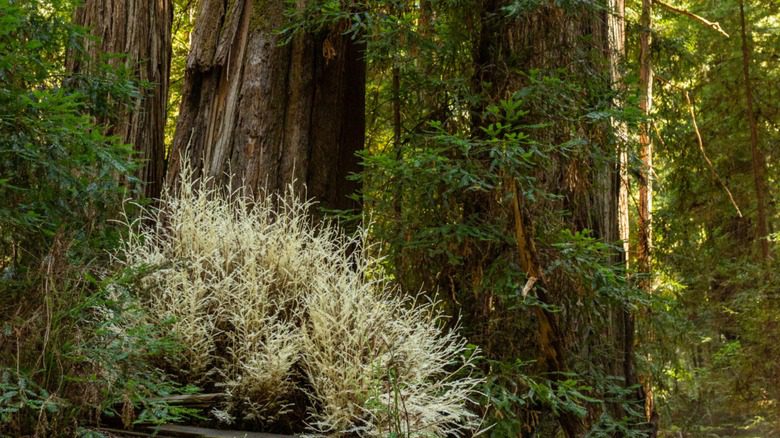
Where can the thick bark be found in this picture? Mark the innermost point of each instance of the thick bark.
(574, 41)
(140, 30)
(267, 113)
(759, 159)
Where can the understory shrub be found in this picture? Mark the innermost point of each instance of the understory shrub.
(62, 182)
(273, 307)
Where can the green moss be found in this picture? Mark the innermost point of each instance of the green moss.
(267, 15)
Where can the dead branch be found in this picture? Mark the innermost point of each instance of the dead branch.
(704, 154)
(711, 24)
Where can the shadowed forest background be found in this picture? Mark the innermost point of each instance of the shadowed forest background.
(390, 218)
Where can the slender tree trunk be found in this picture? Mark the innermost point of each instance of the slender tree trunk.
(645, 226)
(271, 114)
(397, 110)
(399, 189)
(624, 326)
(140, 30)
(644, 243)
(617, 52)
(759, 159)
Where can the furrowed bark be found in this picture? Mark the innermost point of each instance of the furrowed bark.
(141, 31)
(574, 41)
(268, 113)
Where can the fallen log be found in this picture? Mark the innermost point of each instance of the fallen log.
(181, 431)
(191, 400)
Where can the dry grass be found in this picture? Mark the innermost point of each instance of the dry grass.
(267, 303)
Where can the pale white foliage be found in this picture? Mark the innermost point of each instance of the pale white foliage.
(266, 300)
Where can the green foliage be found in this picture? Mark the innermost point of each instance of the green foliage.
(21, 398)
(454, 164)
(123, 352)
(60, 174)
(710, 345)
(520, 403)
(707, 340)
(442, 198)
(107, 368)
(62, 181)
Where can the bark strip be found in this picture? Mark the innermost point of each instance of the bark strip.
(271, 114)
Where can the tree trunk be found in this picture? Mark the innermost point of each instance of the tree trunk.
(140, 30)
(617, 51)
(271, 114)
(759, 159)
(645, 226)
(624, 325)
(575, 40)
(645, 146)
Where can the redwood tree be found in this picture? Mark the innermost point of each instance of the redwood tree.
(759, 159)
(271, 113)
(644, 243)
(141, 31)
(583, 45)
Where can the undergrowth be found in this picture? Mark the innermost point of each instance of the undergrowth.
(62, 364)
(273, 307)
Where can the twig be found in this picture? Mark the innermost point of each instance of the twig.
(711, 24)
(704, 154)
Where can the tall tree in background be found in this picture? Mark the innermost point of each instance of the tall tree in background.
(727, 297)
(645, 144)
(270, 113)
(645, 226)
(758, 157)
(616, 27)
(141, 31)
(616, 40)
(572, 41)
